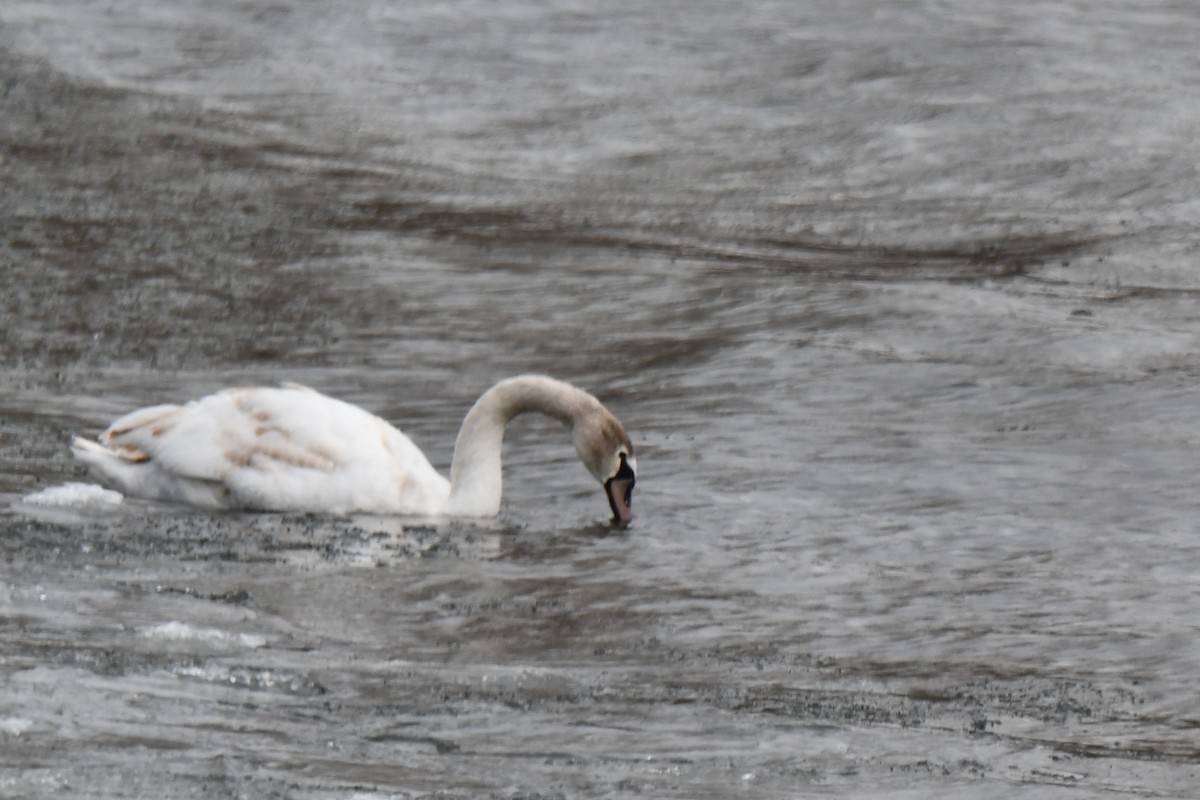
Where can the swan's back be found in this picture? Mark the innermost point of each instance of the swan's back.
(287, 449)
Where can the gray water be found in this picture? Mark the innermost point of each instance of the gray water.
(898, 301)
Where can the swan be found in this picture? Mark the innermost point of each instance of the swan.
(291, 448)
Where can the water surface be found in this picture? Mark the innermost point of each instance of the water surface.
(896, 300)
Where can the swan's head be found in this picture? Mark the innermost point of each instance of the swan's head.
(605, 449)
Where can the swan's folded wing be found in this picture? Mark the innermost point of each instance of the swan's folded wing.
(192, 441)
(214, 436)
(142, 419)
(282, 448)
(265, 428)
(130, 437)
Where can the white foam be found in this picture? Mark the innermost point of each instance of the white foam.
(181, 631)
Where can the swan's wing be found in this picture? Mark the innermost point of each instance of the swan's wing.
(126, 456)
(182, 440)
(283, 448)
(117, 440)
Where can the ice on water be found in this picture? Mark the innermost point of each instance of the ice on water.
(75, 496)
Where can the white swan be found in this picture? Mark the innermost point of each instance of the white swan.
(294, 449)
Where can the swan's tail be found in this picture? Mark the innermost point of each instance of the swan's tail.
(107, 464)
(135, 473)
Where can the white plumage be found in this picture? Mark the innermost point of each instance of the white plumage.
(291, 448)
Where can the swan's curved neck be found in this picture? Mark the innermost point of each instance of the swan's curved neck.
(476, 473)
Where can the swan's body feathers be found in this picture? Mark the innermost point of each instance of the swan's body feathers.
(268, 448)
(294, 449)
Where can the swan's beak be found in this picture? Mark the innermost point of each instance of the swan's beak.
(619, 489)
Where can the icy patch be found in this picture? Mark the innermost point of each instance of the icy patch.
(75, 495)
(180, 631)
(15, 726)
(70, 503)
